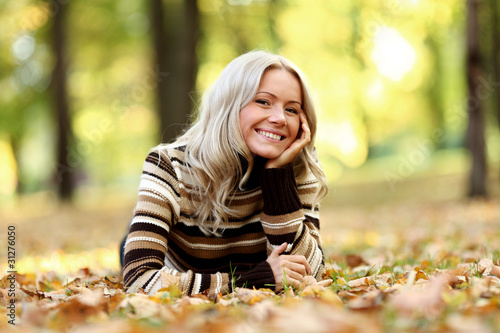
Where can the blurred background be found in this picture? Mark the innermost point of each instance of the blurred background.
(408, 93)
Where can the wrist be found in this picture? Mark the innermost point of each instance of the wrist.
(272, 165)
(279, 191)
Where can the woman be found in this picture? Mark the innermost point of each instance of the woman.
(234, 200)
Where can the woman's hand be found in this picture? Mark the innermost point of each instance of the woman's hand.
(289, 269)
(295, 148)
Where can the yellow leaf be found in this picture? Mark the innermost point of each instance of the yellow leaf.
(454, 298)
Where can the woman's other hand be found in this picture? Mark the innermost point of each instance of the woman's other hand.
(295, 148)
(288, 269)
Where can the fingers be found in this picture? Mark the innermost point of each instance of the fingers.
(292, 277)
(278, 250)
(297, 263)
(295, 148)
(287, 269)
(296, 268)
(305, 127)
(301, 260)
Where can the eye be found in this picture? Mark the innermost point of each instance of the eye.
(262, 102)
(292, 110)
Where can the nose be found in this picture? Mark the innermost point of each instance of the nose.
(277, 116)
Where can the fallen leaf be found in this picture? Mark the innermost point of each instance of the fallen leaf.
(354, 260)
(252, 296)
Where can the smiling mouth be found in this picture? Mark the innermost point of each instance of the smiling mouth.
(271, 135)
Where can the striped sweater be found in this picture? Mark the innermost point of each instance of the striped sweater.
(165, 246)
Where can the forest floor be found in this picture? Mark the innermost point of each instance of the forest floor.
(416, 258)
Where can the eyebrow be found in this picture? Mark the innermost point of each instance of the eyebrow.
(274, 96)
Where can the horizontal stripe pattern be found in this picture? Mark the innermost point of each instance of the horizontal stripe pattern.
(165, 239)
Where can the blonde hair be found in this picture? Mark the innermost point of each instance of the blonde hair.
(215, 144)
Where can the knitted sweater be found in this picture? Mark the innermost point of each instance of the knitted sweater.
(165, 245)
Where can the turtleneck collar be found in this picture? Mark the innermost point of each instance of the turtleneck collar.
(253, 180)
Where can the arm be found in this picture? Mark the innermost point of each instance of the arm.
(157, 211)
(288, 216)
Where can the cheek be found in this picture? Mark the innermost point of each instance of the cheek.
(245, 117)
(243, 122)
(294, 130)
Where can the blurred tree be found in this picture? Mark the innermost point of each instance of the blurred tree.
(175, 35)
(475, 140)
(434, 87)
(252, 24)
(272, 14)
(61, 107)
(360, 66)
(495, 52)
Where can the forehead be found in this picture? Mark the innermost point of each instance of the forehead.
(281, 83)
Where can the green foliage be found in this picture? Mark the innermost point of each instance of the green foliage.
(369, 107)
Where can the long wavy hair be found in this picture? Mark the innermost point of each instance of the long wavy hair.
(215, 145)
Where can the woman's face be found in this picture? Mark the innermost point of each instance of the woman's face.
(270, 122)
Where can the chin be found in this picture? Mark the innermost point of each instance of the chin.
(269, 155)
(267, 152)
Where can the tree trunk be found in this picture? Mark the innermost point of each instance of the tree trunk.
(475, 129)
(495, 50)
(273, 11)
(64, 132)
(15, 145)
(175, 35)
(435, 92)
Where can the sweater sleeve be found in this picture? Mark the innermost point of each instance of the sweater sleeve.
(289, 215)
(156, 212)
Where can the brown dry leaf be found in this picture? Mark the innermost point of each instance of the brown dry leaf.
(309, 315)
(187, 301)
(383, 279)
(112, 282)
(79, 308)
(377, 280)
(35, 314)
(252, 296)
(311, 290)
(462, 269)
(38, 295)
(140, 306)
(354, 260)
(495, 271)
(168, 294)
(462, 323)
(485, 265)
(331, 268)
(91, 297)
(225, 301)
(370, 300)
(452, 279)
(360, 283)
(347, 294)
(328, 296)
(420, 275)
(485, 287)
(416, 301)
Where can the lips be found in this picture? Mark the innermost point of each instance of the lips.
(270, 135)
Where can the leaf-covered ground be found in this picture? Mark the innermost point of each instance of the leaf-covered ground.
(406, 267)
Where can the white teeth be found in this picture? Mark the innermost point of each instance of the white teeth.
(270, 135)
